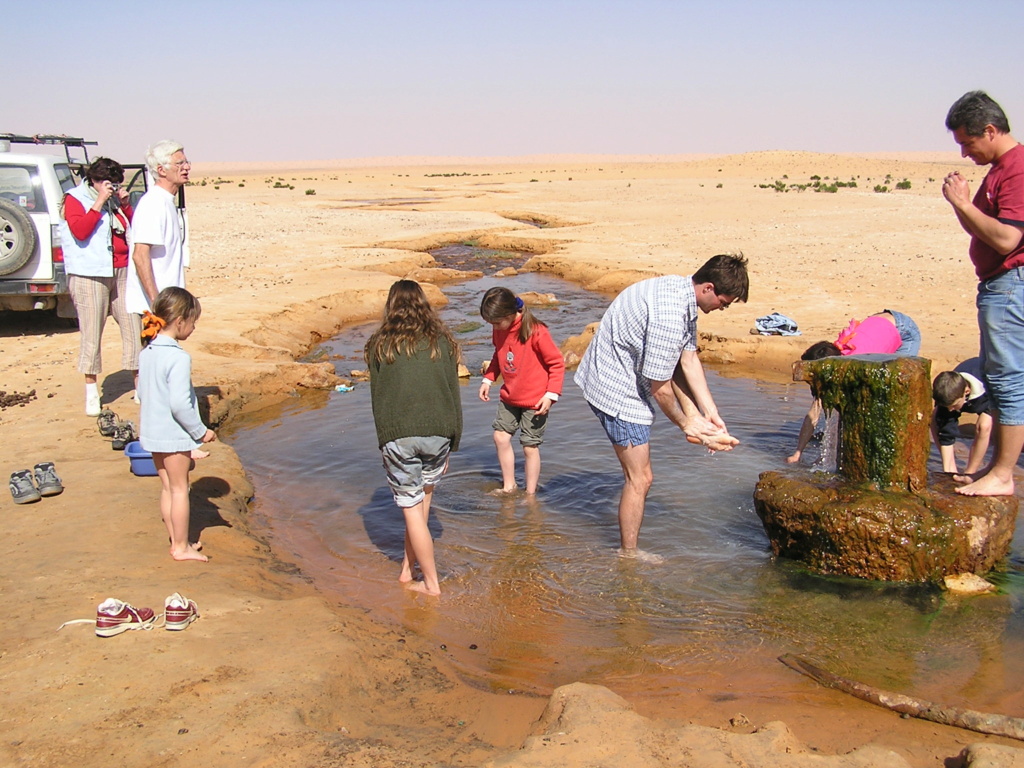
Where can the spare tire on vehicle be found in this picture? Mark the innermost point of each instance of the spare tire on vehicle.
(17, 237)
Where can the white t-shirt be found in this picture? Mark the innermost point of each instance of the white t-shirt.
(158, 224)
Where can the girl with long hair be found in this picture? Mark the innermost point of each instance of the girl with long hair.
(417, 410)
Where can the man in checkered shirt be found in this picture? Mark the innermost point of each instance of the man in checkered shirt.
(645, 353)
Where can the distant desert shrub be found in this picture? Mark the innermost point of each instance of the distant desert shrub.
(905, 184)
(881, 188)
(310, 191)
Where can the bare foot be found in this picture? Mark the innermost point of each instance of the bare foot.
(198, 454)
(958, 478)
(989, 485)
(419, 586)
(641, 555)
(190, 554)
(504, 491)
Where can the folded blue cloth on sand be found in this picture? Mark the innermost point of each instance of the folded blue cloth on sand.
(776, 325)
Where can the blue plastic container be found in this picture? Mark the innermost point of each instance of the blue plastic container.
(141, 459)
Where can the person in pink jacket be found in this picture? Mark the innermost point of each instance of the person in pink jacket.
(532, 372)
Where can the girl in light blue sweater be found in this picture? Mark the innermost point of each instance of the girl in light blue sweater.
(171, 426)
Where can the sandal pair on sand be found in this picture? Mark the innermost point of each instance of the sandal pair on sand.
(120, 432)
(114, 616)
(28, 486)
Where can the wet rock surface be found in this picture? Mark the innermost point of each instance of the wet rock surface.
(837, 528)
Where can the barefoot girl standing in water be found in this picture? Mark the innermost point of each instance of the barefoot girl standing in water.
(417, 410)
(532, 371)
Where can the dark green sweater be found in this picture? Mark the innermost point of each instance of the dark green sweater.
(417, 397)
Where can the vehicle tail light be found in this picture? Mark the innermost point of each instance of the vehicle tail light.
(56, 252)
(42, 287)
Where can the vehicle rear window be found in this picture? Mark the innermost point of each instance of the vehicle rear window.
(21, 185)
(65, 178)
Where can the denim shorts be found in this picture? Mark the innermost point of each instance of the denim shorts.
(412, 463)
(623, 433)
(1001, 320)
(910, 335)
(510, 418)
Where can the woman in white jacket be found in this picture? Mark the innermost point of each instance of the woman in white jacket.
(95, 242)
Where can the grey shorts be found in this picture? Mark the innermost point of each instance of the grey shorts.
(412, 463)
(510, 418)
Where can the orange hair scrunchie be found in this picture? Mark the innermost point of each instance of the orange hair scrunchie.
(151, 325)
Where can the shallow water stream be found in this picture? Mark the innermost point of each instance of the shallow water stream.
(534, 596)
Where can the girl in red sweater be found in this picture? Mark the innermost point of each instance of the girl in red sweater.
(532, 371)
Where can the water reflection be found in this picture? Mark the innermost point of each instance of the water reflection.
(535, 587)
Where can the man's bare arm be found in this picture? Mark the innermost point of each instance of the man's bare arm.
(693, 378)
(144, 268)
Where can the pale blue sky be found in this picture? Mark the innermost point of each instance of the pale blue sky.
(306, 80)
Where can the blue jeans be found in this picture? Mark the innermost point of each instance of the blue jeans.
(910, 335)
(1001, 320)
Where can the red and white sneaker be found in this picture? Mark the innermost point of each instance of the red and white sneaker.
(114, 617)
(179, 612)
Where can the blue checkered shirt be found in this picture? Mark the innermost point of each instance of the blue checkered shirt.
(640, 339)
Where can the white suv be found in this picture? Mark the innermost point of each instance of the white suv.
(31, 261)
(32, 187)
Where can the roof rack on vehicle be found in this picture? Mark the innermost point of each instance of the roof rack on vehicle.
(46, 138)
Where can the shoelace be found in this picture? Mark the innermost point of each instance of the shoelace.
(146, 626)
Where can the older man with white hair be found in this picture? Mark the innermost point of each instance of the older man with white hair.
(158, 229)
(158, 233)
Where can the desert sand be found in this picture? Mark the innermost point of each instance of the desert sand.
(277, 673)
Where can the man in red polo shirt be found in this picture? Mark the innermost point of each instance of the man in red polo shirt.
(995, 221)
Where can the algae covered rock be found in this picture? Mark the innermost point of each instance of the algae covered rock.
(837, 528)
